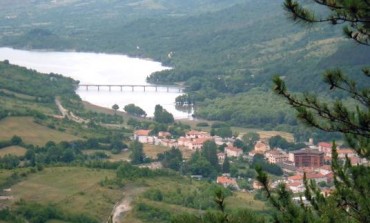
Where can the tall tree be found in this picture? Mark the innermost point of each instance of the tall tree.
(161, 115)
(115, 107)
(226, 165)
(137, 155)
(209, 151)
(349, 202)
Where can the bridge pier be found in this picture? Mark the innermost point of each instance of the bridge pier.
(98, 88)
(144, 88)
(121, 88)
(132, 88)
(109, 88)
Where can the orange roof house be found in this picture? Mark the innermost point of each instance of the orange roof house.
(142, 132)
(226, 181)
(232, 151)
(143, 136)
(261, 147)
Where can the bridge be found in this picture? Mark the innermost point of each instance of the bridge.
(132, 87)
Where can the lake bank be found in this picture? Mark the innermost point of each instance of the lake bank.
(100, 68)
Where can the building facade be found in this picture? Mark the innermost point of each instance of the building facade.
(308, 158)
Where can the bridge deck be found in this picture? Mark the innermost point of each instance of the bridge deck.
(132, 86)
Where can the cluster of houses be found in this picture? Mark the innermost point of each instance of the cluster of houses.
(313, 160)
(193, 140)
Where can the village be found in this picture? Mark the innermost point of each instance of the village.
(314, 161)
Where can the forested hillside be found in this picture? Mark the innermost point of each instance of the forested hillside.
(218, 49)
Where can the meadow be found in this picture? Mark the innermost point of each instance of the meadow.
(31, 132)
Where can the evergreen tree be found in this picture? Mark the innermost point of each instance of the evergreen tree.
(161, 115)
(115, 107)
(209, 151)
(349, 202)
(137, 155)
(226, 165)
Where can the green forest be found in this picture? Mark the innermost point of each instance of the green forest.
(223, 50)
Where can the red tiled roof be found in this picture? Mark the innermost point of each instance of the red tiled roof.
(142, 132)
(225, 180)
(325, 144)
(295, 177)
(345, 151)
(314, 175)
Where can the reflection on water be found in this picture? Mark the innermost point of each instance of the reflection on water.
(98, 68)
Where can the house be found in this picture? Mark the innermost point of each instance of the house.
(261, 147)
(276, 156)
(325, 147)
(227, 181)
(342, 153)
(168, 142)
(182, 141)
(193, 134)
(232, 151)
(317, 177)
(326, 169)
(218, 140)
(197, 143)
(295, 178)
(143, 136)
(296, 187)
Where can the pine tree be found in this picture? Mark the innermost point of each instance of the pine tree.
(349, 202)
(137, 155)
(226, 165)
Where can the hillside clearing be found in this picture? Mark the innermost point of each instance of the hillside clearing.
(14, 150)
(31, 132)
(73, 189)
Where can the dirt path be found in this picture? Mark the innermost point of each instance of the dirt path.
(124, 206)
(65, 113)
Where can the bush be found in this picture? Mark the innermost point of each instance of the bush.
(202, 124)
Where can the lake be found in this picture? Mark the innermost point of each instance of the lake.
(100, 68)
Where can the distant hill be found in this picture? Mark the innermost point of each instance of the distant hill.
(217, 48)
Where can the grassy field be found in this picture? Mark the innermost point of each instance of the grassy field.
(77, 190)
(152, 150)
(4, 174)
(31, 132)
(18, 95)
(149, 150)
(15, 150)
(73, 189)
(268, 134)
(245, 200)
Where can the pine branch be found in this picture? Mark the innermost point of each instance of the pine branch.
(337, 123)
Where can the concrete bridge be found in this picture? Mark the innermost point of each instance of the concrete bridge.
(133, 87)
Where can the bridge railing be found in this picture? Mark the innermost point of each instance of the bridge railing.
(133, 87)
